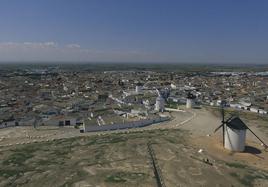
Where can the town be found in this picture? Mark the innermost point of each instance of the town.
(216, 121)
(56, 97)
(121, 93)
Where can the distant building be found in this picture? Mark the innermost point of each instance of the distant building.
(160, 104)
(139, 87)
(190, 100)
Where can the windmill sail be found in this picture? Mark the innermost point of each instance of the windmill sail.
(218, 128)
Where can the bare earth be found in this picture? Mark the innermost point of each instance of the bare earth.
(64, 157)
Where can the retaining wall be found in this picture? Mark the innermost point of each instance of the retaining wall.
(127, 125)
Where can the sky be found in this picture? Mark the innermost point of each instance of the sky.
(179, 31)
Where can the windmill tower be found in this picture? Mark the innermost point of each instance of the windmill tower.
(37, 121)
(139, 87)
(234, 132)
(159, 103)
(189, 100)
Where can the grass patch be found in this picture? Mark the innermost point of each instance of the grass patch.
(10, 172)
(115, 179)
(78, 175)
(92, 141)
(117, 139)
(171, 140)
(47, 162)
(172, 105)
(61, 151)
(235, 165)
(106, 139)
(99, 154)
(120, 177)
(17, 158)
(248, 179)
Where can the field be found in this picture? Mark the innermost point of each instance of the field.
(120, 159)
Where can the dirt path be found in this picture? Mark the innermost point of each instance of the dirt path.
(27, 135)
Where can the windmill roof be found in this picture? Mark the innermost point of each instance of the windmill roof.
(236, 123)
(190, 96)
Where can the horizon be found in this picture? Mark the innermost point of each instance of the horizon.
(190, 32)
(215, 64)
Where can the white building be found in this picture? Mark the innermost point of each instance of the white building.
(235, 135)
(173, 86)
(139, 87)
(160, 104)
(189, 100)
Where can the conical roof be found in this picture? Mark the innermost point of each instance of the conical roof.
(190, 96)
(236, 123)
(139, 84)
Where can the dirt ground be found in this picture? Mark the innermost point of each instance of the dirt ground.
(64, 157)
(118, 159)
(254, 154)
(202, 132)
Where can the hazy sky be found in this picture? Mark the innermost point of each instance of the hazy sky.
(134, 30)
